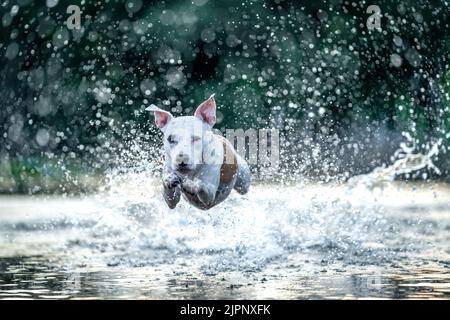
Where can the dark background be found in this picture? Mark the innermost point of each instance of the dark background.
(72, 102)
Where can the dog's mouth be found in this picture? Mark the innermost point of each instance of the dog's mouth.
(183, 168)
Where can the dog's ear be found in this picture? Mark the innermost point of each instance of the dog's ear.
(207, 111)
(162, 117)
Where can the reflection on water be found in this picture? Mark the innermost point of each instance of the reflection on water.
(286, 242)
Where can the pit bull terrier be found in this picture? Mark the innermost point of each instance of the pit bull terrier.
(200, 165)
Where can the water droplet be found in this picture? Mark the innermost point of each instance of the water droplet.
(42, 137)
(12, 50)
(396, 60)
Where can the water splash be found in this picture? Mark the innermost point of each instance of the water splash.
(248, 232)
(406, 161)
(127, 237)
(243, 233)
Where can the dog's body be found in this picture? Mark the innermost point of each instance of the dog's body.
(201, 165)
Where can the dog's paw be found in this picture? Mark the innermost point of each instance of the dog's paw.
(171, 180)
(190, 187)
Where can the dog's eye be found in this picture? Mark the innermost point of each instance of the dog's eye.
(171, 140)
(195, 138)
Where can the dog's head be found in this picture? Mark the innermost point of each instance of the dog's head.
(187, 139)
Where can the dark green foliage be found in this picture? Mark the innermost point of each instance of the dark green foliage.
(309, 68)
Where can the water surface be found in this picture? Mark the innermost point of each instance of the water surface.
(278, 242)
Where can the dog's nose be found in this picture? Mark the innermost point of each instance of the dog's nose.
(182, 159)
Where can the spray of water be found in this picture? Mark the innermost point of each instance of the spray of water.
(248, 232)
(405, 162)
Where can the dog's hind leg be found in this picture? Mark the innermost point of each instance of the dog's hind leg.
(243, 177)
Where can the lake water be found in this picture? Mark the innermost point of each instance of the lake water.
(302, 241)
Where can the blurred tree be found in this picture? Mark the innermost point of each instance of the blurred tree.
(340, 93)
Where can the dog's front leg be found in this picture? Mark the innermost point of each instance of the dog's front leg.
(203, 190)
(172, 189)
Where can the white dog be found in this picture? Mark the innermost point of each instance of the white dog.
(201, 165)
